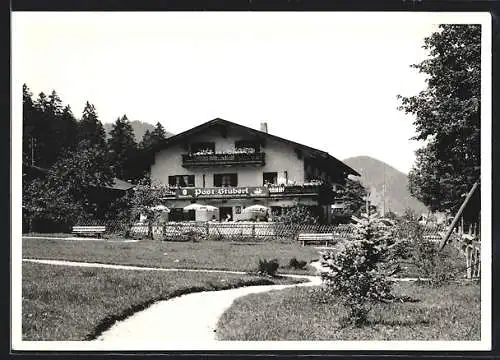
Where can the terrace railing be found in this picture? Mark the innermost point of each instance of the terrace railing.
(193, 160)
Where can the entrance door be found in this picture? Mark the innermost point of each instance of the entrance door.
(224, 211)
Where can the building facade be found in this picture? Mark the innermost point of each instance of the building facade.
(231, 167)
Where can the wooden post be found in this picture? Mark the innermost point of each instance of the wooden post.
(468, 262)
(457, 216)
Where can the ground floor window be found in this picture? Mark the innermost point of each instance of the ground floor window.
(181, 180)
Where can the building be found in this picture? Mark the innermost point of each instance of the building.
(231, 167)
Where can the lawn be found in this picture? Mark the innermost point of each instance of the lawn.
(448, 313)
(68, 303)
(223, 255)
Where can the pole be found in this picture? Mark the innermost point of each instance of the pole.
(383, 196)
(457, 216)
(32, 152)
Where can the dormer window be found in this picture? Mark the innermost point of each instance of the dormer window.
(202, 148)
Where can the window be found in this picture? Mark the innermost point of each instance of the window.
(203, 147)
(225, 180)
(270, 178)
(181, 180)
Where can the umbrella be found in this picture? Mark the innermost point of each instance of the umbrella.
(160, 208)
(256, 208)
(199, 207)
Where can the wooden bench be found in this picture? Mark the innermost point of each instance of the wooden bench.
(89, 230)
(318, 237)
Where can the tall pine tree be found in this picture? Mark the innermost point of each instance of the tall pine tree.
(90, 128)
(151, 140)
(123, 149)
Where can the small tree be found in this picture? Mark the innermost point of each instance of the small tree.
(146, 196)
(359, 272)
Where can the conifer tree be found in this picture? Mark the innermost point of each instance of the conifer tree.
(90, 128)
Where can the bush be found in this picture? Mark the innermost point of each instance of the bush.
(297, 215)
(439, 267)
(356, 273)
(268, 268)
(296, 264)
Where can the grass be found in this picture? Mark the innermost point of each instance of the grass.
(68, 303)
(448, 313)
(242, 256)
(55, 235)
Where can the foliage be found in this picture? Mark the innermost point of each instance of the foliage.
(65, 194)
(123, 150)
(268, 268)
(90, 128)
(297, 264)
(150, 142)
(447, 118)
(436, 267)
(49, 128)
(410, 215)
(354, 197)
(359, 272)
(391, 215)
(146, 196)
(299, 214)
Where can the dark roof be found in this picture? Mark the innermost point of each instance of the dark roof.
(197, 129)
(33, 170)
(120, 185)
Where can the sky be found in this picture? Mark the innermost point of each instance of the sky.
(326, 80)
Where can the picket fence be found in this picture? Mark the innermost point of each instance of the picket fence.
(243, 230)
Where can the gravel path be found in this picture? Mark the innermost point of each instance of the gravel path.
(180, 320)
(184, 319)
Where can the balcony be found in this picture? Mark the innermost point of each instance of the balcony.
(230, 159)
(324, 193)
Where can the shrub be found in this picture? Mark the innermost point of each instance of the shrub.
(356, 272)
(299, 214)
(296, 264)
(438, 267)
(268, 268)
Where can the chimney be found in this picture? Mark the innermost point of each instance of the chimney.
(263, 127)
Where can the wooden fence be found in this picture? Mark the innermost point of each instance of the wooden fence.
(245, 230)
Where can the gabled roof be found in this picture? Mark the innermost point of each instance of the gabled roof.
(218, 122)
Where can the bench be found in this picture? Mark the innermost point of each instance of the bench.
(318, 237)
(89, 230)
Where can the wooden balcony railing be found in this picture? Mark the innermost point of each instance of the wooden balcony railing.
(190, 160)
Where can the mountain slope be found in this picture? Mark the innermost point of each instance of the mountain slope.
(397, 195)
(138, 126)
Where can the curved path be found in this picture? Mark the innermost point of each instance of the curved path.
(183, 319)
(191, 317)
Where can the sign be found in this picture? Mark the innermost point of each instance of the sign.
(222, 192)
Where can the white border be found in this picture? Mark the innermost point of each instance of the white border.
(345, 17)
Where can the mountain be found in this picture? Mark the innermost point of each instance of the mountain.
(138, 126)
(397, 195)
